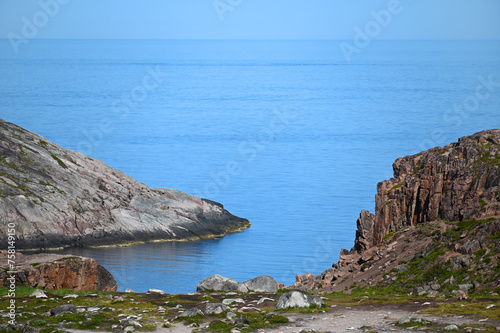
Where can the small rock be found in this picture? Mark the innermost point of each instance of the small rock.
(156, 291)
(465, 287)
(231, 315)
(70, 296)
(403, 320)
(38, 293)
(191, 313)
(490, 306)
(129, 291)
(119, 299)
(461, 295)
(65, 308)
(451, 328)
(93, 309)
(230, 301)
(215, 308)
(129, 329)
(241, 320)
(265, 299)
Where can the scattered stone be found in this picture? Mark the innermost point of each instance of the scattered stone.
(129, 291)
(191, 313)
(490, 306)
(129, 329)
(229, 301)
(249, 309)
(231, 315)
(217, 282)
(265, 299)
(65, 308)
(465, 287)
(461, 295)
(93, 309)
(70, 296)
(119, 299)
(403, 320)
(241, 320)
(215, 308)
(156, 291)
(263, 283)
(38, 293)
(451, 328)
(298, 299)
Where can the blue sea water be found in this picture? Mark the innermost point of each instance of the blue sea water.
(288, 134)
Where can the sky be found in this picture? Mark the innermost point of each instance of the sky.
(250, 19)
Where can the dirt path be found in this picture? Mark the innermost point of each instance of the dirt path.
(371, 318)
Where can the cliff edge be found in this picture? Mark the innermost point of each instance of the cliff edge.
(54, 197)
(436, 224)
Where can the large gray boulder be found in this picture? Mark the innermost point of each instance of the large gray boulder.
(263, 283)
(217, 282)
(297, 299)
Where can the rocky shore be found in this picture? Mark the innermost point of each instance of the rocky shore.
(54, 197)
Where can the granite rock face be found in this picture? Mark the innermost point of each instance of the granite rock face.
(51, 271)
(55, 197)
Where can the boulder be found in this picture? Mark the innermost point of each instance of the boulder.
(263, 283)
(65, 308)
(217, 282)
(53, 271)
(298, 299)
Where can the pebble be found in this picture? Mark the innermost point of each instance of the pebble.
(264, 299)
(38, 293)
(93, 309)
(129, 291)
(490, 306)
(229, 301)
(70, 296)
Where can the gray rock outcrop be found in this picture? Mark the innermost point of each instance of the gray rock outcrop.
(263, 283)
(217, 282)
(53, 197)
(299, 300)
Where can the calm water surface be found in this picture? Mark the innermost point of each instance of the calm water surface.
(301, 180)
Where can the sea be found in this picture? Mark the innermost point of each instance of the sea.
(292, 135)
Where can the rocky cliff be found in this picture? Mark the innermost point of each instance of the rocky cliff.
(55, 197)
(51, 271)
(446, 198)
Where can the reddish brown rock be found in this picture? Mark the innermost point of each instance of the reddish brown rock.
(457, 182)
(51, 271)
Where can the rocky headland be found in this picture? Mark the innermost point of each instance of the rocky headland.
(54, 197)
(436, 226)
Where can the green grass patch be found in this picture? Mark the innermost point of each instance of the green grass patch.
(58, 160)
(397, 186)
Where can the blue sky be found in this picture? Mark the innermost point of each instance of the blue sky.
(250, 19)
